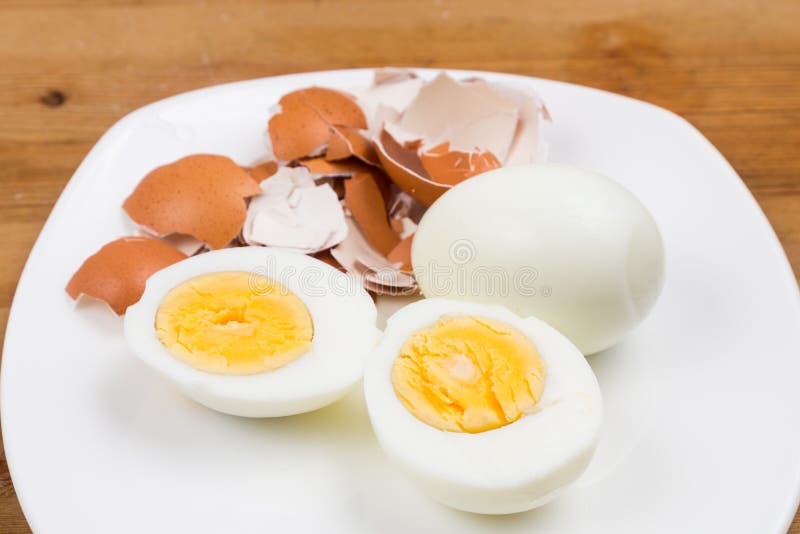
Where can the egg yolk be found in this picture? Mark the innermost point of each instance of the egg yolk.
(468, 374)
(234, 323)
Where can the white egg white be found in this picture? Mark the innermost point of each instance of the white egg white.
(566, 245)
(510, 469)
(343, 315)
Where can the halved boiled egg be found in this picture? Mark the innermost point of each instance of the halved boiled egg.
(254, 331)
(486, 411)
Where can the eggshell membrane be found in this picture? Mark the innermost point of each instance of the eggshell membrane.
(344, 318)
(200, 195)
(116, 273)
(304, 123)
(404, 167)
(294, 212)
(390, 94)
(509, 469)
(468, 115)
(527, 146)
(451, 167)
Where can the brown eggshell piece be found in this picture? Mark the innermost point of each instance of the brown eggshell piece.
(297, 131)
(346, 142)
(304, 123)
(262, 171)
(363, 197)
(335, 107)
(338, 148)
(116, 274)
(200, 195)
(404, 167)
(401, 254)
(451, 167)
(322, 169)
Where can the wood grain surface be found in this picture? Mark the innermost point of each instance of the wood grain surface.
(70, 69)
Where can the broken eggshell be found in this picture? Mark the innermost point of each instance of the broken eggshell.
(202, 196)
(294, 212)
(451, 167)
(468, 115)
(374, 231)
(373, 270)
(404, 166)
(116, 274)
(454, 130)
(304, 125)
(389, 95)
(346, 142)
(527, 147)
(367, 204)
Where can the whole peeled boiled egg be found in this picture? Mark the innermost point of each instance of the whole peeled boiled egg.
(254, 331)
(488, 412)
(566, 245)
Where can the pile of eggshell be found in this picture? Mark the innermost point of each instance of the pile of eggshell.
(346, 179)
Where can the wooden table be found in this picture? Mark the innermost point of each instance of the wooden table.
(69, 70)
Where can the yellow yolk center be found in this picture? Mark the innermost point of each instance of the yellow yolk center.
(468, 374)
(234, 323)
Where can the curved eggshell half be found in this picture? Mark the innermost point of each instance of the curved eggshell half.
(404, 167)
(116, 274)
(200, 195)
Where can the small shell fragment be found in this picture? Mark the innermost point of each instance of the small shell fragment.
(293, 212)
(116, 274)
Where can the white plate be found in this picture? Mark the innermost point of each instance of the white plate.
(702, 400)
